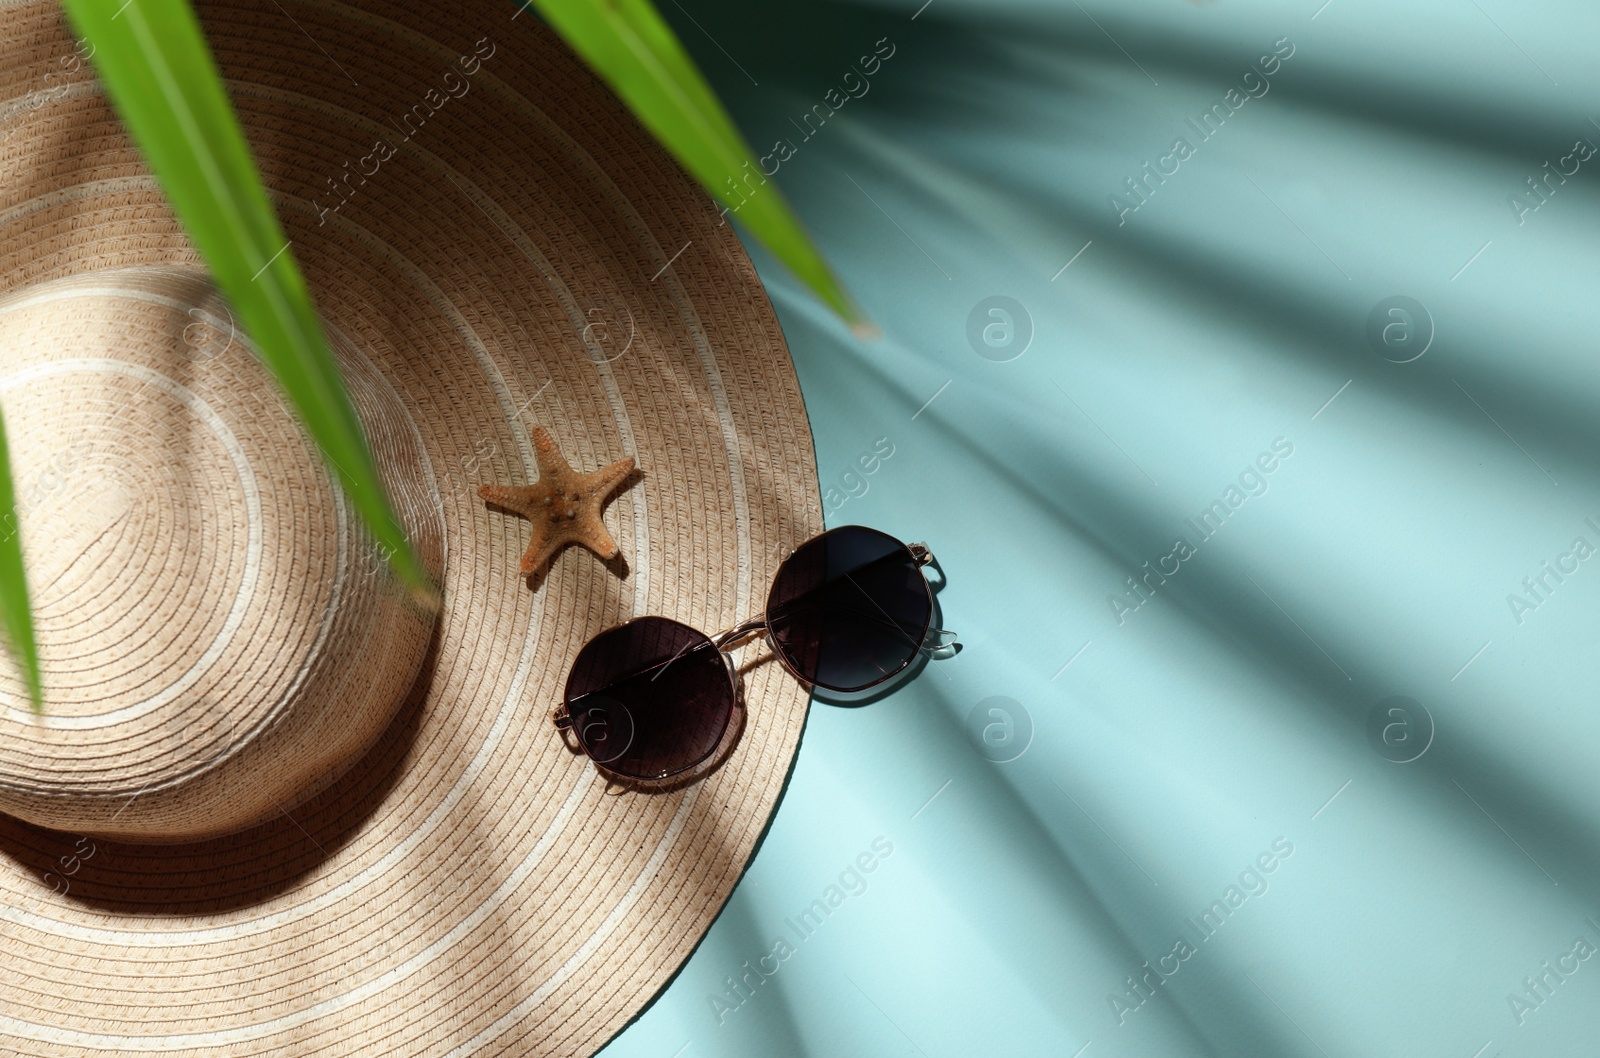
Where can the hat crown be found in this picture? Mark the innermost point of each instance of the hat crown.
(219, 638)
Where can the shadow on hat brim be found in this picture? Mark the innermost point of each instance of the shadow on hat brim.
(238, 870)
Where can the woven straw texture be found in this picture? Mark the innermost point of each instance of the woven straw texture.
(219, 644)
(247, 647)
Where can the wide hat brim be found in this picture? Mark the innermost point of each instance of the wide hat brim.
(470, 886)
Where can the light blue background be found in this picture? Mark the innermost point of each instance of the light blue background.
(1229, 710)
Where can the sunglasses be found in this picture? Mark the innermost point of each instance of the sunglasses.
(847, 610)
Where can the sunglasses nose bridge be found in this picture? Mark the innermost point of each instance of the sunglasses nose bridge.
(733, 635)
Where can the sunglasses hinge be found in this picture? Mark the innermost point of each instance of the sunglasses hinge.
(560, 717)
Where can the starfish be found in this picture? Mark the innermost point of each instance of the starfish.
(563, 505)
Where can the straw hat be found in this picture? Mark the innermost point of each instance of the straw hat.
(274, 808)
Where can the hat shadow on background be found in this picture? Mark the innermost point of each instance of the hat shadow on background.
(236, 870)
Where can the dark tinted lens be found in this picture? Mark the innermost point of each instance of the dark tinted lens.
(649, 698)
(849, 608)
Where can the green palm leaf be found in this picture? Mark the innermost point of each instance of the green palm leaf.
(632, 48)
(154, 64)
(14, 584)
